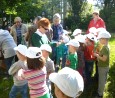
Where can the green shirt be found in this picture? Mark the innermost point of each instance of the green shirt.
(73, 61)
(104, 51)
(38, 40)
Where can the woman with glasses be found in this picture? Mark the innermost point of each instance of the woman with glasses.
(39, 37)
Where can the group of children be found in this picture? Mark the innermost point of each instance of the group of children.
(72, 59)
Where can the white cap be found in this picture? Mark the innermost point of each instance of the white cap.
(81, 38)
(101, 29)
(69, 81)
(93, 30)
(74, 43)
(21, 48)
(91, 37)
(76, 31)
(65, 39)
(104, 34)
(46, 47)
(33, 52)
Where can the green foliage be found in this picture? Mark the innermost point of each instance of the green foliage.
(108, 14)
(85, 15)
(81, 17)
(70, 23)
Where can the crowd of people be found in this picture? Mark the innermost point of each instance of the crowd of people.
(48, 58)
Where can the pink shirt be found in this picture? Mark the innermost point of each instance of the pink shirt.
(36, 81)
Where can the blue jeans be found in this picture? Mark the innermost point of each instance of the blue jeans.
(19, 89)
(88, 70)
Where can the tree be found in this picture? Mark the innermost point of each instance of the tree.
(79, 15)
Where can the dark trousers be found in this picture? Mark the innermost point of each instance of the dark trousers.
(8, 62)
(88, 70)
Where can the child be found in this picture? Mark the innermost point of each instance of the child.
(19, 85)
(89, 56)
(68, 83)
(76, 33)
(57, 34)
(103, 61)
(57, 27)
(36, 73)
(72, 59)
(46, 50)
(80, 52)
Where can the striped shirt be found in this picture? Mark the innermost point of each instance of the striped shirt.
(36, 82)
(19, 35)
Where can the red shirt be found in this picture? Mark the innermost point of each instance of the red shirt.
(89, 52)
(99, 24)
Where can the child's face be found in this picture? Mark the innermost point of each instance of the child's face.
(58, 92)
(56, 21)
(45, 54)
(88, 41)
(72, 49)
(20, 56)
(103, 40)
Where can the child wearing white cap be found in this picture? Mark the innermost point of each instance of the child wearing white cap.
(36, 73)
(72, 59)
(68, 83)
(46, 50)
(20, 86)
(103, 61)
(80, 52)
(76, 33)
(89, 56)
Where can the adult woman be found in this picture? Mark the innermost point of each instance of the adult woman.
(96, 22)
(39, 37)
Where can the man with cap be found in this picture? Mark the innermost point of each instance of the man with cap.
(68, 83)
(72, 59)
(96, 22)
(103, 61)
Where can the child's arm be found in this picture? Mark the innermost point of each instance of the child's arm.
(14, 68)
(20, 74)
(104, 54)
(102, 58)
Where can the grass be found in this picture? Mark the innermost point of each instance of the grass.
(5, 85)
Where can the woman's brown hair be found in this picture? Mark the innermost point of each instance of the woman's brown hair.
(44, 22)
(35, 63)
(32, 29)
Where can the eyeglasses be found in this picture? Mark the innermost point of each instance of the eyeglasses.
(45, 28)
